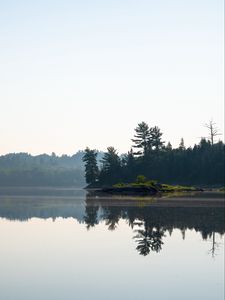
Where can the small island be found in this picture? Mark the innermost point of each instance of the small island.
(174, 170)
(141, 187)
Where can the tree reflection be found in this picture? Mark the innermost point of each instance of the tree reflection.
(215, 245)
(111, 216)
(149, 239)
(91, 216)
(154, 222)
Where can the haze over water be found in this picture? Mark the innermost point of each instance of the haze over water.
(61, 244)
(143, 80)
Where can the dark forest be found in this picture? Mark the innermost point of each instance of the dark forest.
(202, 164)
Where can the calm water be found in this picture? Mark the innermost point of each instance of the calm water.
(61, 244)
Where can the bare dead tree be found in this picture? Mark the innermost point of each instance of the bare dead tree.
(215, 246)
(213, 131)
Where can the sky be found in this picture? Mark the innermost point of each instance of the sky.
(85, 73)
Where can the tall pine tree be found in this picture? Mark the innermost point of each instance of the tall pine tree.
(91, 167)
(141, 138)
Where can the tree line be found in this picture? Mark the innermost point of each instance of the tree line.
(202, 164)
(23, 169)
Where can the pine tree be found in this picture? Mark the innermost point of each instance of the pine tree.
(111, 166)
(181, 145)
(155, 138)
(91, 167)
(141, 138)
(169, 146)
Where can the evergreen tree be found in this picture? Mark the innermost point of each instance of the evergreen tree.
(91, 167)
(130, 158)
(128, 164)
(181, 145)
(169, 146)
(141, 138)
(111, 166)
(201, 165)
(155, 140)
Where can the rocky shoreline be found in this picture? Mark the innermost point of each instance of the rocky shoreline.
(138, 191)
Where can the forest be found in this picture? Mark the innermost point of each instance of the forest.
(23, 169)
(149, 156)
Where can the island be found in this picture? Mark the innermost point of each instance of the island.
(141, 187)
(181, 169)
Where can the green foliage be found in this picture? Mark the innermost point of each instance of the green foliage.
(142, 182)
(141, 179)
(141, 138)
(147, 139)
(111, 167)
(201, 165)
(91, 167)
(155, 140)
(176, 188)
(120, 185)
(42, 177)
(23, 169)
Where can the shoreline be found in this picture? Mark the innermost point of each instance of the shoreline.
(187, 199)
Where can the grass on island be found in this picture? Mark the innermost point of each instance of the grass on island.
(142, 182)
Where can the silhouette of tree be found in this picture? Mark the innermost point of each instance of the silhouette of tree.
(155, 140)
(111, 166)
(91, 216)
(201, 165)
(215, 245)
(169, 146)
(149, 239)
(213, 131)
(112, 216)
(181, 145)
(91, 167)
(141, 138)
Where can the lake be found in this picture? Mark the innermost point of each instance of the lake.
(63, 244)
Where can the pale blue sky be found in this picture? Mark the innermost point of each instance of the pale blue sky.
(78, 73)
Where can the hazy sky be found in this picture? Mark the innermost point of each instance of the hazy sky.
(77, 73)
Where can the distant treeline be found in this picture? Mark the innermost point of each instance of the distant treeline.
(22, 169)
(202, 164)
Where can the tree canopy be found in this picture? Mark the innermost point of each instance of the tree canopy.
(91, 168)
(202, 164)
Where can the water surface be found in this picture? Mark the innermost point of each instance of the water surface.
(62, 244)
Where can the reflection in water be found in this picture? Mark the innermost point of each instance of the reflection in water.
(154, 222)
(91, 216)
(149, 223)
(149, 239)
(215, 245)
